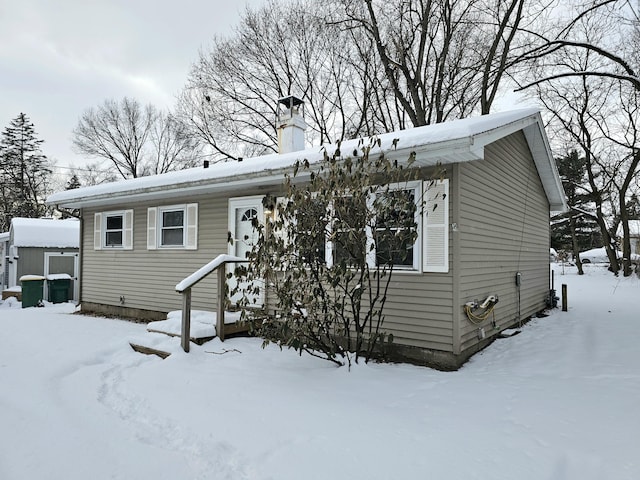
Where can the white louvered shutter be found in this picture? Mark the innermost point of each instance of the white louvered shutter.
(152, 220)
(127, 240)
(192, 227)
(97, 231)
(435, 238)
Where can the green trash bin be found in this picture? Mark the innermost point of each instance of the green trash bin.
(59, 287)
(31, 290)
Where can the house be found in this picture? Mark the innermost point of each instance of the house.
(142, 236)
(42, 246)
(634, 235)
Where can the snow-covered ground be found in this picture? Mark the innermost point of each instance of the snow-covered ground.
(560, 400)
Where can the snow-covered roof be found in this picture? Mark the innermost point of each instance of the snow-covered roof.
(45, 232)
(445, 143)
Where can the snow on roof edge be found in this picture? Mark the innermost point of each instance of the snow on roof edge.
(45, 232)
(274, 165)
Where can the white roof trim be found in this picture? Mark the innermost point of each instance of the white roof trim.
(445, 143)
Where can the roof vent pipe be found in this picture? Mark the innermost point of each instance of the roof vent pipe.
(290, 124)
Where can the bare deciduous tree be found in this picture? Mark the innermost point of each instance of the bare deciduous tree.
(617, 51)
(280, 49)
(136, 140)
(173, 148)
(362, 68)
(116, 131)
(442, 58)
(599, 113)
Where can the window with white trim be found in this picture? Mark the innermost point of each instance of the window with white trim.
(114, 227)
(311, 223)
(349, 230)
(113, 230)
(414, 239)
(173, 226)
(396, 232)
(392, 238)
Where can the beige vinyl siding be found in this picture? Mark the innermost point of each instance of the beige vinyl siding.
(419, 309)
(423, 309)
(418, 312)
(147, 278)
(504, 229)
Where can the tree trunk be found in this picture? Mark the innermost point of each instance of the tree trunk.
(624, 213)
(626, 241)
(574, 243)
(597, 198)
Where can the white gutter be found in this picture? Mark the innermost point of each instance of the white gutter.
(235, 176)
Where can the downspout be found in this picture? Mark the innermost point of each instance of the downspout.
(81, 259)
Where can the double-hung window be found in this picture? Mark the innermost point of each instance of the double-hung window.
(396, 227)
(311, 221)
(113, 230)
(114, 224)
(349, 230)
(384, 229)
(403, 225)
(174, 226)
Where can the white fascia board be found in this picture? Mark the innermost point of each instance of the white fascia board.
(227, 184)
(483, 139)
(450, 151)
(467, 148)
(546, 165)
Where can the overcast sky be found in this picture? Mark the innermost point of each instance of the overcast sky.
(58, 58)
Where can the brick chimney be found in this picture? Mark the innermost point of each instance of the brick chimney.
(290, 124)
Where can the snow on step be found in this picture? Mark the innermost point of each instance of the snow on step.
(155, 344)
(163, 337)
(203, 324)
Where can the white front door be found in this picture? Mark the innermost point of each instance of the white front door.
(242, 212)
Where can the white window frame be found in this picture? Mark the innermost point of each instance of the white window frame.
(105, 217)
(416, 187)
(330, 249)
(161, 227)
(100, 230)
(155, 220)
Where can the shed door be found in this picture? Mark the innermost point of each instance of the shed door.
(63, 263)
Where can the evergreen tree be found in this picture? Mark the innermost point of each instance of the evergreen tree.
(577, 229)
(73, 183)
(24, 172)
